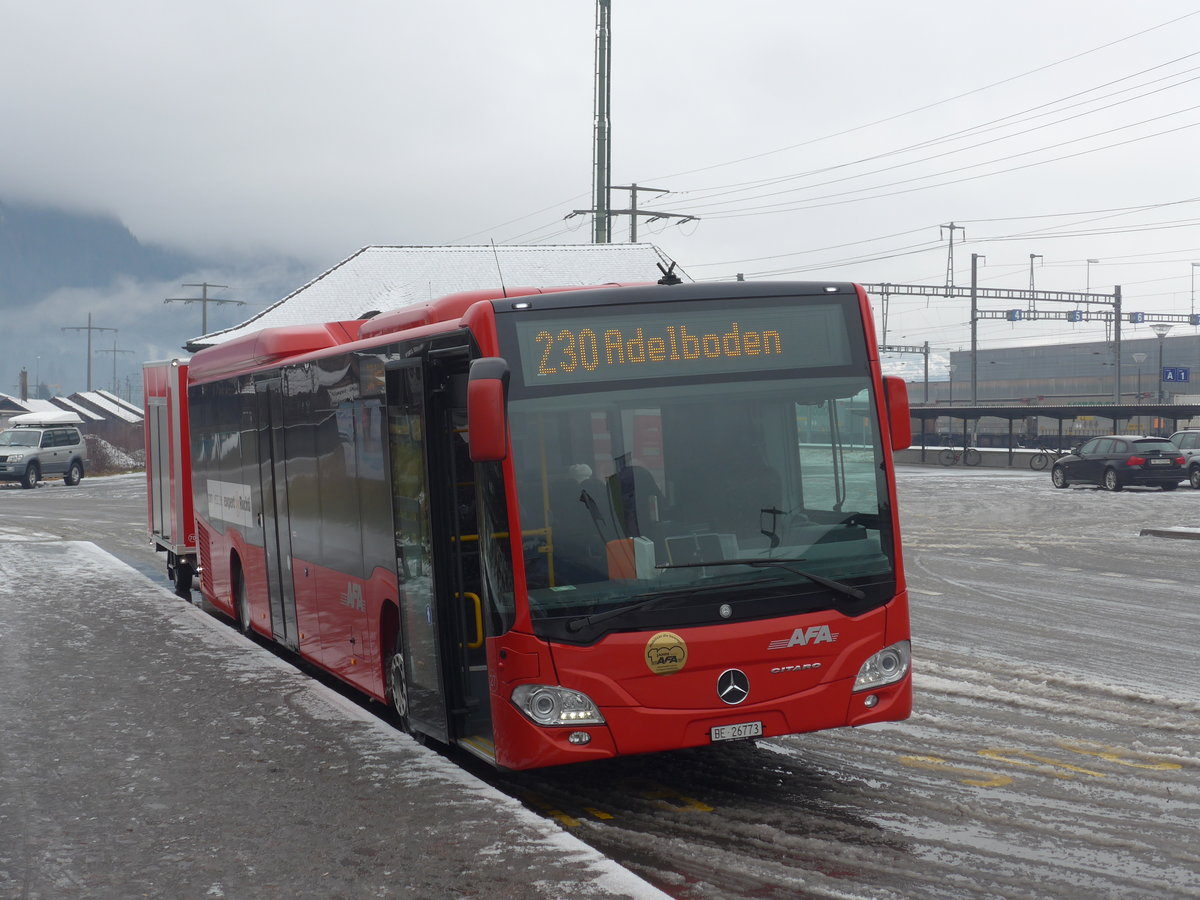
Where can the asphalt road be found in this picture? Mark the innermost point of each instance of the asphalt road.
(1053, 748)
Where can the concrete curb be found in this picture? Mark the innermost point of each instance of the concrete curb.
(1190, 534)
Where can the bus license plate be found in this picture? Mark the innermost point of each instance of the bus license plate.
(737, 732)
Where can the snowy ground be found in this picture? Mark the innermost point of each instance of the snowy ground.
(148, 749)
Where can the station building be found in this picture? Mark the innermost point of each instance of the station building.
(1080, 374)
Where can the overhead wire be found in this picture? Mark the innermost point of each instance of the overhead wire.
(541, 233)
(934, 104)
(810, 203)
(703, 207)
(692, 198)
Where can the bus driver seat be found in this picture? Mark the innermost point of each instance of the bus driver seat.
(581, 524)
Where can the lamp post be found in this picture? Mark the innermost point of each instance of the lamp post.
(1139, 358)
(1161, 329)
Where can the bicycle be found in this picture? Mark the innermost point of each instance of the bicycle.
(1042, 458)
(970, 456)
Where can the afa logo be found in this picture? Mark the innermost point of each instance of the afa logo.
(666, 652)
(353, 597)
(802, 637)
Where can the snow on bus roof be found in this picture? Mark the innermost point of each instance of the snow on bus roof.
(381, 279)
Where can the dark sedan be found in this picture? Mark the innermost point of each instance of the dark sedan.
(1116, 461)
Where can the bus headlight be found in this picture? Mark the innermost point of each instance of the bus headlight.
(887, 666)
(551, 705)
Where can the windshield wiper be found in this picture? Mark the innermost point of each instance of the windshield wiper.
(581, 622)
(836, 586)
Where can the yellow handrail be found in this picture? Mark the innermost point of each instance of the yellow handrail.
(478, 604)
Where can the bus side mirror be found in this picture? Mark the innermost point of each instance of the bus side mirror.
(487, 409)
(895, 393)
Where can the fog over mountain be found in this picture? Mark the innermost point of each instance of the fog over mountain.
(58, 267)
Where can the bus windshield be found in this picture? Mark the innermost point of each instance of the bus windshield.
(689, 501)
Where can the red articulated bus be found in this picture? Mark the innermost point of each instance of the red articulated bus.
(550, 526)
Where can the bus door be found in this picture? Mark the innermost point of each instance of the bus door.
(437, 568)
(277, 540)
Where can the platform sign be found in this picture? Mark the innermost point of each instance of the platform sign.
(1176, 374)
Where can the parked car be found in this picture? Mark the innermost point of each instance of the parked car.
(41, 444)
(1119, 460)
(1189, 443)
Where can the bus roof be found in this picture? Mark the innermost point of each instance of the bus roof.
(261, 348)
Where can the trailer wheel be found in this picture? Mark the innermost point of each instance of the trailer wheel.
(183, 579)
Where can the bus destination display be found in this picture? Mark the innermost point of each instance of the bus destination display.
(615, 343)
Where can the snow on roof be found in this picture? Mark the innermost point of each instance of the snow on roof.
(67, 403)
(40, 406)
(11, 404)
(102, 403)
(121, 402)
(381, 279)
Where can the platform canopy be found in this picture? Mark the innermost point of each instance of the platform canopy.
(380, 279)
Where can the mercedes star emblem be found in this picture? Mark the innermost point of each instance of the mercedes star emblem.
(733, 686)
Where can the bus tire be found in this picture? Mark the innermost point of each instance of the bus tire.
(397, 683)
(241, 603)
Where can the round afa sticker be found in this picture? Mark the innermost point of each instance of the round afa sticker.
(666, 652)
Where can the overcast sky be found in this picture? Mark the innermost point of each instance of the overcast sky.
(813, 140)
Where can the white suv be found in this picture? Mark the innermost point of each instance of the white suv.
(41, 444)
(1189, 443)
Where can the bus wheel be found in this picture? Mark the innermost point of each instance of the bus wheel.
(397, 684)
(241, 605)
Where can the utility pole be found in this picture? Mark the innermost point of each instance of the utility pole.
(114, 351)
(602, 154)
(205, 300)
(1032, 303)
(950, 255)
(633, 212)
(89, 328)
(975, 258)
